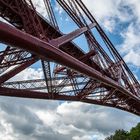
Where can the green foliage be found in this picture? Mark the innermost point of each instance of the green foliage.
(119, 135)
(134, 134)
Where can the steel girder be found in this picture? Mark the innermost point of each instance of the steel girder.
(42, 40)
(38, 95)
(43, 50)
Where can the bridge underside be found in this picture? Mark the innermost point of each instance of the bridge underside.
(97, 76)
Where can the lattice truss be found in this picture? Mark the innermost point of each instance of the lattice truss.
(97, 76)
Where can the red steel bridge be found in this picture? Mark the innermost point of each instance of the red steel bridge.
(97, 76)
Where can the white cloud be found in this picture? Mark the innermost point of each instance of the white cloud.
(131, 44)
(109, 24)
(135, 6)
(40, 7)
(6, 131)
(82, 138)
(1, 19)
(24, 119)
(71, 120)
(131, 38)
(28, 74)
(133, 58)
(109, 13)
(102, 8)
(115, 16)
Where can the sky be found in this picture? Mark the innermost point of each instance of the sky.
(32, 119)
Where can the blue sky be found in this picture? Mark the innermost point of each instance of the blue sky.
(41, 120)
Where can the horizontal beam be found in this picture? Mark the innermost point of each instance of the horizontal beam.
(39, 95)
(12, 36)
(33, 94)
(69, 37)
(35, 84)
(86, 57)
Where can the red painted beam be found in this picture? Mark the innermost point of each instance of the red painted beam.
(34, 94)
(69, 37)
(12, 36)
(84, 58)
(39, 95)
(16, 70)
(87, 56)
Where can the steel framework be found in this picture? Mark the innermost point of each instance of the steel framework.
(97, 76)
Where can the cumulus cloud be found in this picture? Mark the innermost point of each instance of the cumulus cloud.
(52, 120)
(40, 7)
(28, 74)
(121, 17)
(133, 58)
(131, 44)
(40, 120)
(109, 13)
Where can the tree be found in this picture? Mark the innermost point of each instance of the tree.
(135, 133)
(119, 135)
